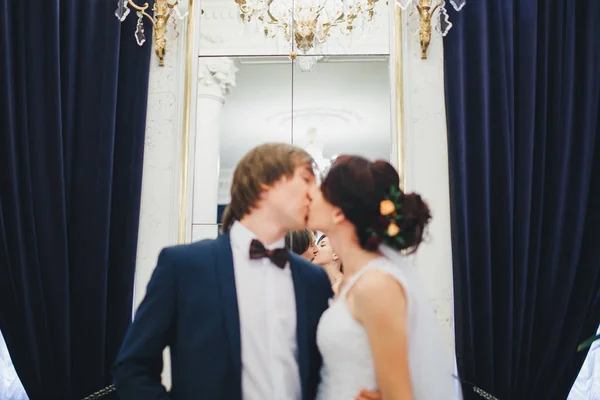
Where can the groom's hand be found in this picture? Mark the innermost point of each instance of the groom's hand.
(368, 395)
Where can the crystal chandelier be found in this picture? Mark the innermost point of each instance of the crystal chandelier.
(307, 22)
(424, 10)
(307, 63)
(162, 10)
(314, 147)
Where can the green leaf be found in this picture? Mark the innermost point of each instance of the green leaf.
(588, 342)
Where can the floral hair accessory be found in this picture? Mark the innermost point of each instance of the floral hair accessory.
(389, 218)
(386, 207)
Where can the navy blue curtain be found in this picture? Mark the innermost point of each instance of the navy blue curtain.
(73, 92)
(523, 113)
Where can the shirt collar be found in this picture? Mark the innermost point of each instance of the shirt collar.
(241, 237)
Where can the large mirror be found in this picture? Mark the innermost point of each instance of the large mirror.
(335, 98)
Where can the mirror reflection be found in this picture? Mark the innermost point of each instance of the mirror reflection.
(339, 104)
(315, 247)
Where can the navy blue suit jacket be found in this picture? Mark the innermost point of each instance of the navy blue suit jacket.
(191, 306)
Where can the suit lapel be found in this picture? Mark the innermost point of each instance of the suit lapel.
(224, 266)
(301, 322)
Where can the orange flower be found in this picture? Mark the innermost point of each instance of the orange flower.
(393, 230)
(386, 207)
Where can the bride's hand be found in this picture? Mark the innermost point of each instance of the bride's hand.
(368, 395)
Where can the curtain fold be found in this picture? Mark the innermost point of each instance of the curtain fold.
(73, 109)
(523, 103)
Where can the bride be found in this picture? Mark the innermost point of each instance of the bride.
(380, 332)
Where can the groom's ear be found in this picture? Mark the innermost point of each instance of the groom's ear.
(264, 189)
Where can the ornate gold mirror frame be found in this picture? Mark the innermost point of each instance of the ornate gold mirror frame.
(398, 82)
(191, 61)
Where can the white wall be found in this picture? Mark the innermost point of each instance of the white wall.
(160, 181)
(426, 154)
(162, 155)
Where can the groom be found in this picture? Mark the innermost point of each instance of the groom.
(239, 312)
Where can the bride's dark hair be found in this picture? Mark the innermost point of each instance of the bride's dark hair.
(358, 186)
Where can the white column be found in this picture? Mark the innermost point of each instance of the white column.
(216, 78)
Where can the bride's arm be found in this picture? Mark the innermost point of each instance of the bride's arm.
(379, 303)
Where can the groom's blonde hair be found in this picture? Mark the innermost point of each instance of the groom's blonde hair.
(263, 165)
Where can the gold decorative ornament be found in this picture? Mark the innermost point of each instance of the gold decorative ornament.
(398, 94)
(425, 10)
(425, 13)
(190, 56)
(162, 10)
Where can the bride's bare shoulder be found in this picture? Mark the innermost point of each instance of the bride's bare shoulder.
(376, 294)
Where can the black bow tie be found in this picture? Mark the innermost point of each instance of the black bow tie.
(279, 257)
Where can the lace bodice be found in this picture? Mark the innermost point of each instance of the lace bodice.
(348, 364)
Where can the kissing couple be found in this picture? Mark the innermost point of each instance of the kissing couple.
(245, 319)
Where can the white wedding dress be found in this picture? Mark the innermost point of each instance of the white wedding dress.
(10, 385)
(347, 361)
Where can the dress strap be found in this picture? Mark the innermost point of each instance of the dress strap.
(345, 288)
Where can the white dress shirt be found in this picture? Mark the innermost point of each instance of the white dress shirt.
(267, 309)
